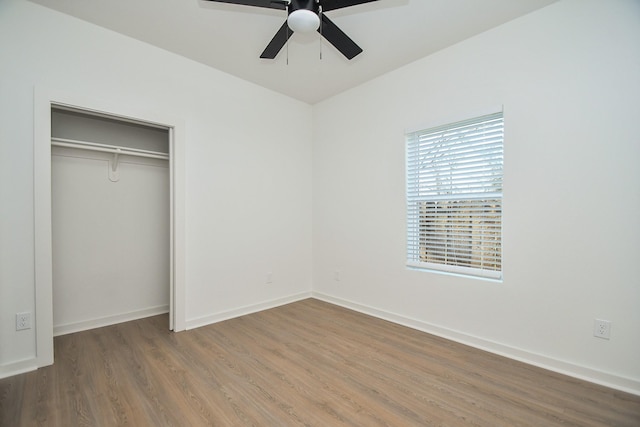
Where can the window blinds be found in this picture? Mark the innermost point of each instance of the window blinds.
(454, 197)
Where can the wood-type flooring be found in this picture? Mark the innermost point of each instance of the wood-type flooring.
(308, 363)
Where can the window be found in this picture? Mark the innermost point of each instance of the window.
(454, 197)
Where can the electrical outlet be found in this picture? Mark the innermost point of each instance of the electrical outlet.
(602, 329)
(269, 278)
(23, 321)
(336, 275)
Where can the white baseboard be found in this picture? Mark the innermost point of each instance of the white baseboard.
(241, 311)
(16, 368)
(584, 373)
(588, 374)
(84, 325)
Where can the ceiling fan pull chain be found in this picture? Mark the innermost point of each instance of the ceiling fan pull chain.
(287, 35)
(320, 15)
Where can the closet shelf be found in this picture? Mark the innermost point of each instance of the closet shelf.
(105, 148)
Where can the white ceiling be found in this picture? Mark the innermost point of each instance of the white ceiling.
(231, 38)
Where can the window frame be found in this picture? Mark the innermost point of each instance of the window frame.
(417, 243)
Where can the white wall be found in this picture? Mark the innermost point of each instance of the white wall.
(106, 130)
(568, 77)
(110, 239)
(248, 179)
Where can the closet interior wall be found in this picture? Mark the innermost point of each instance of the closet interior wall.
(110, 221)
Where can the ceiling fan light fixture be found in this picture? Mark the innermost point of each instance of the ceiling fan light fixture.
(303, 21)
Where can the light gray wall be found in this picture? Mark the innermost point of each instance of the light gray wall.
(568, 77)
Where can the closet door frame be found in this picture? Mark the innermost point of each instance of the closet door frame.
(44, 102)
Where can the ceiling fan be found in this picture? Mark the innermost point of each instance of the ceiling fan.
(306, 16)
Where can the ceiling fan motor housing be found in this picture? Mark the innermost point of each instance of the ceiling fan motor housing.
(311, 5)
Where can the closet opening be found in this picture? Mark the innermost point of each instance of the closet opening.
(111, 220)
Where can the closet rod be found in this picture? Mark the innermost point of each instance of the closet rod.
(104, 148)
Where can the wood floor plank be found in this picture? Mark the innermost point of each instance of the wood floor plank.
(308, 363)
